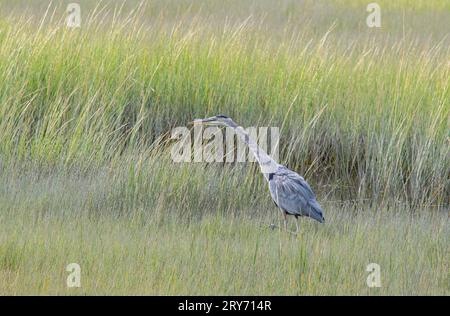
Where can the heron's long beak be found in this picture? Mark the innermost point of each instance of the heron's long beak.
(207, 121)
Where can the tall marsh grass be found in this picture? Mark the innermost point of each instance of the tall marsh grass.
(85, 168)
(361, 117)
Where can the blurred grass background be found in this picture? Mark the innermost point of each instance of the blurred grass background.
(363, 115)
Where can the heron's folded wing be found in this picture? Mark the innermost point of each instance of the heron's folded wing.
(290, 191)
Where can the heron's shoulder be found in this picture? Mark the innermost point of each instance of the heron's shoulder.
(291, 181)
(285, 172)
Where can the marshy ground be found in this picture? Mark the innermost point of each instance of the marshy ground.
(86, 176)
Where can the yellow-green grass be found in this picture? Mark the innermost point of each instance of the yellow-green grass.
(228, 256)
(365, 116)
(86, 174)
(203, 231)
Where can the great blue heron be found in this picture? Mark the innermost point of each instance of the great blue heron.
(289, 191)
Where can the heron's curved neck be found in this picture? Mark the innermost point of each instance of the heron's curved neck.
(266, 163)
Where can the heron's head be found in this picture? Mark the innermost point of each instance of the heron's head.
(216, 121)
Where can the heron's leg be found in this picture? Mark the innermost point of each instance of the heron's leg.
(296, 224)
(285, 224)
(279, 222)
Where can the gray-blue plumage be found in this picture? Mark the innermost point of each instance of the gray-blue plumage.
(292, 194)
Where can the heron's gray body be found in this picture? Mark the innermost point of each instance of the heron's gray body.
(292, 194)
